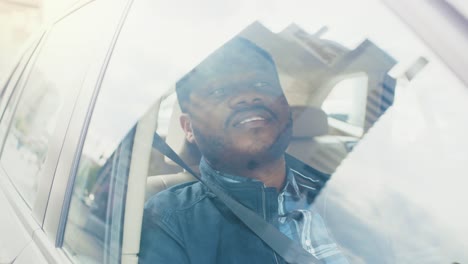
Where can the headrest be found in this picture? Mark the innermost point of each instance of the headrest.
(309, 122)
(176, 139)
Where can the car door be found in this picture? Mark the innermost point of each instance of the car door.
(107, 162)
(112, 164)
(11, 225)
(37, 115)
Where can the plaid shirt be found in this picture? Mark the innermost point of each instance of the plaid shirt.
(299, 221)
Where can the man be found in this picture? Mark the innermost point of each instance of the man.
(235, 111)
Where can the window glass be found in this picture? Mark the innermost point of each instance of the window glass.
(158, 163)
(332, 66)
(11, 80)
(47, 97)
(94, 215)
(7, 91)
(347, 101)
(93, 231)
(165, 114)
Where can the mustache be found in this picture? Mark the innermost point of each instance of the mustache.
(249, 109)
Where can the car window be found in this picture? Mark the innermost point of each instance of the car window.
(339, 81)
(346, 102)
(49, 92)
(94, 204)
(93, 232)
(12, 82)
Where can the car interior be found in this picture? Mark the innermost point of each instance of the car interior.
(311, 143)
(81, 148)
(316, 140)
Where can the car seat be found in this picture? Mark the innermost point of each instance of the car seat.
(188, 153)
(311, 142)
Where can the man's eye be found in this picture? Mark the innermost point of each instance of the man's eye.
(266, 87)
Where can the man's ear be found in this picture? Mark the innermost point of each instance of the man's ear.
(186, 124)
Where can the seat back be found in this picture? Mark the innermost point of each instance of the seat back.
(158, 183)
(311, 143)
(176, 140)
(187, 152)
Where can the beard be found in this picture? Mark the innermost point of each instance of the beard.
(220, 152)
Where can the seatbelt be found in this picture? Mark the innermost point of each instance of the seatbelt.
(288, 249)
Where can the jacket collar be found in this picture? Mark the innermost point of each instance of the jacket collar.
(242, 188)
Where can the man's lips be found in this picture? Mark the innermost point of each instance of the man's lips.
(250, 115)
(252, 119)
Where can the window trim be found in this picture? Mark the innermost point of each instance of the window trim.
(45, 174)
(22, 59)
(424, 16)
(24, 65)
(63, 176)
(83, 131)
(25, 68)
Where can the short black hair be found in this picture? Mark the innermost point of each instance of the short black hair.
(234, 54)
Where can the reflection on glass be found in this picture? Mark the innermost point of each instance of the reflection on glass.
(93, 230)
(46, 98)
(347, 101)
(310, 66)
(235, 111)
(27, 143)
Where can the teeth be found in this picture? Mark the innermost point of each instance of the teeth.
(256, 118)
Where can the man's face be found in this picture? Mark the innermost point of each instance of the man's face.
(238, 118)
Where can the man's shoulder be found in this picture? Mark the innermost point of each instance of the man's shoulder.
(177, 198)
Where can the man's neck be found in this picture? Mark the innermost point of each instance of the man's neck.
(272, 173)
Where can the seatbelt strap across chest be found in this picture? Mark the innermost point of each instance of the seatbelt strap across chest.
(288, 249)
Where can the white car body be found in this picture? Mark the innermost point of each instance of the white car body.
(408, 174)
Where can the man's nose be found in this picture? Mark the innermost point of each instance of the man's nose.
(246, 98)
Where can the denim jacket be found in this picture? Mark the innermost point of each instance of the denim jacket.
(189, 224)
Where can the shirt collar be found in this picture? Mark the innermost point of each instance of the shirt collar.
(291, 187)
(207, 170)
